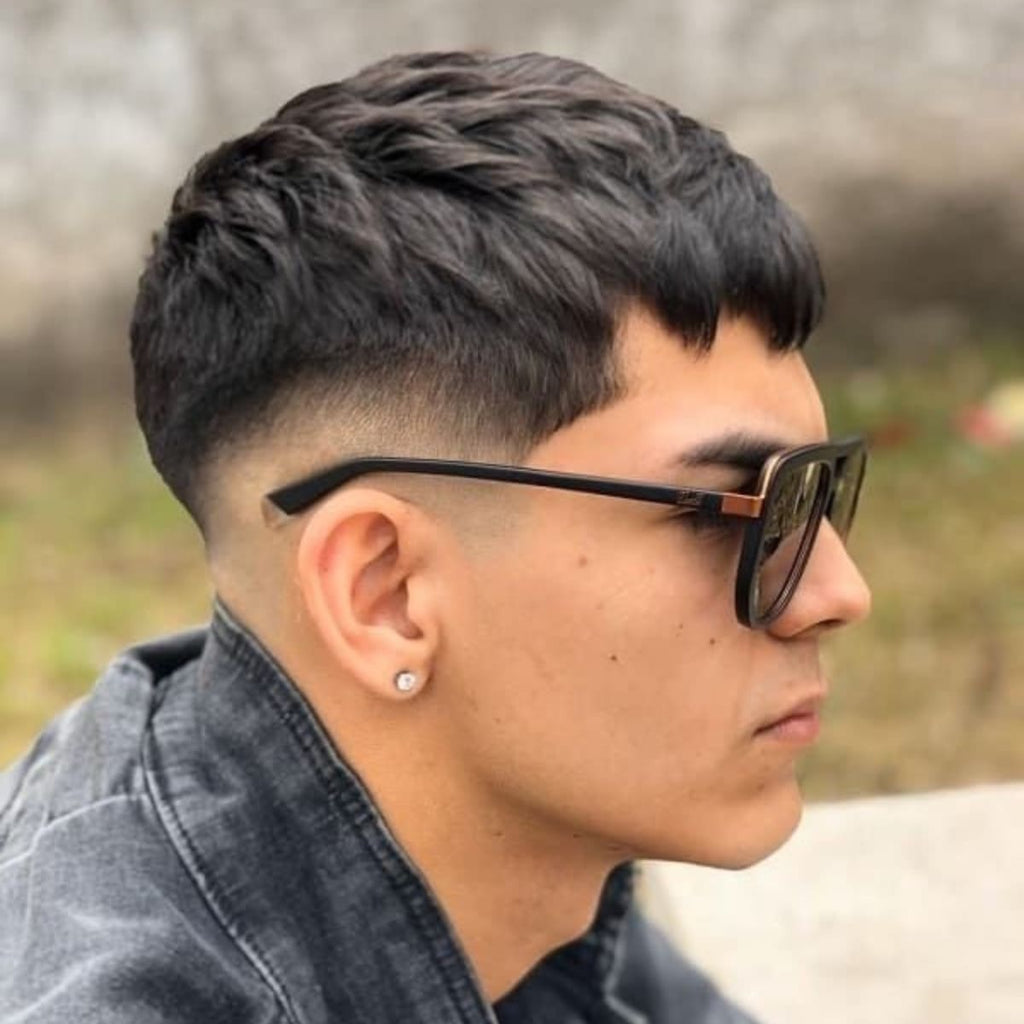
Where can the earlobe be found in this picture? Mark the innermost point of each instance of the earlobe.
(364, 574)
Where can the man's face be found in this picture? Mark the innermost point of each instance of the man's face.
(604, 684)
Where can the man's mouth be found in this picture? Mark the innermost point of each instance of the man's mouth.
(799, 724)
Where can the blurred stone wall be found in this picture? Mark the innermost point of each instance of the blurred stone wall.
(896, 128)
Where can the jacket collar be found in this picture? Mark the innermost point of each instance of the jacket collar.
(294, 858)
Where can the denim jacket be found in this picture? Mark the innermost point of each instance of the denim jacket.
(186, 845)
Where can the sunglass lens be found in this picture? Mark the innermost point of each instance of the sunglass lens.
(794, 504)
(844, 501)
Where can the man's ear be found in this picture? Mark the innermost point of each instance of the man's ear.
(365, 572)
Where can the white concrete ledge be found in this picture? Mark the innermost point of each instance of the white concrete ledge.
(893, 910)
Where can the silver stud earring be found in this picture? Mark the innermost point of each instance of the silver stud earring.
(405, 681)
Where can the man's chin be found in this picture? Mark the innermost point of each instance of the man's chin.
(738, 838)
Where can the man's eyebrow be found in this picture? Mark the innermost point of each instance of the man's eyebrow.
(737, 449)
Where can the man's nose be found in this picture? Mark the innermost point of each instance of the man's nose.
(831, 593)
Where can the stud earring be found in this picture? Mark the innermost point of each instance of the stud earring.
(405, 681)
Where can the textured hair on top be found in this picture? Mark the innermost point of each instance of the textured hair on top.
(454, 230)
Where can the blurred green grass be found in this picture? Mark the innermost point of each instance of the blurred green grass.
(94, 555)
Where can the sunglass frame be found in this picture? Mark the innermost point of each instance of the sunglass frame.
(834, 456)
(297, 497)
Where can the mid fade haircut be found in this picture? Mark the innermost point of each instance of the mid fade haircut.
(454, 232)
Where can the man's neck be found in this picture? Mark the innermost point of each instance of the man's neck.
(513, 886)
(511, 893)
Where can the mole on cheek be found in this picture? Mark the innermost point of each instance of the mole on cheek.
(712, 641)
(583, 561)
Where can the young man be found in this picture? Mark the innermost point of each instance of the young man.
(482, 379)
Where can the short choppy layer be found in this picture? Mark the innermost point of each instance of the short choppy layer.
(456, 230)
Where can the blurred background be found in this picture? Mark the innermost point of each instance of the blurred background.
(897, 130)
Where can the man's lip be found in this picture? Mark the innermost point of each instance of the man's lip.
(807, 707)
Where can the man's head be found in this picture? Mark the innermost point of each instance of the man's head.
(512, 260)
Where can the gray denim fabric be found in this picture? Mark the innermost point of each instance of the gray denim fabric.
(185, 845)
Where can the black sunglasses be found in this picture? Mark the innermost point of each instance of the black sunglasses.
(796, 489)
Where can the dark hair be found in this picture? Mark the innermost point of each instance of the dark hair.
(452, 229)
